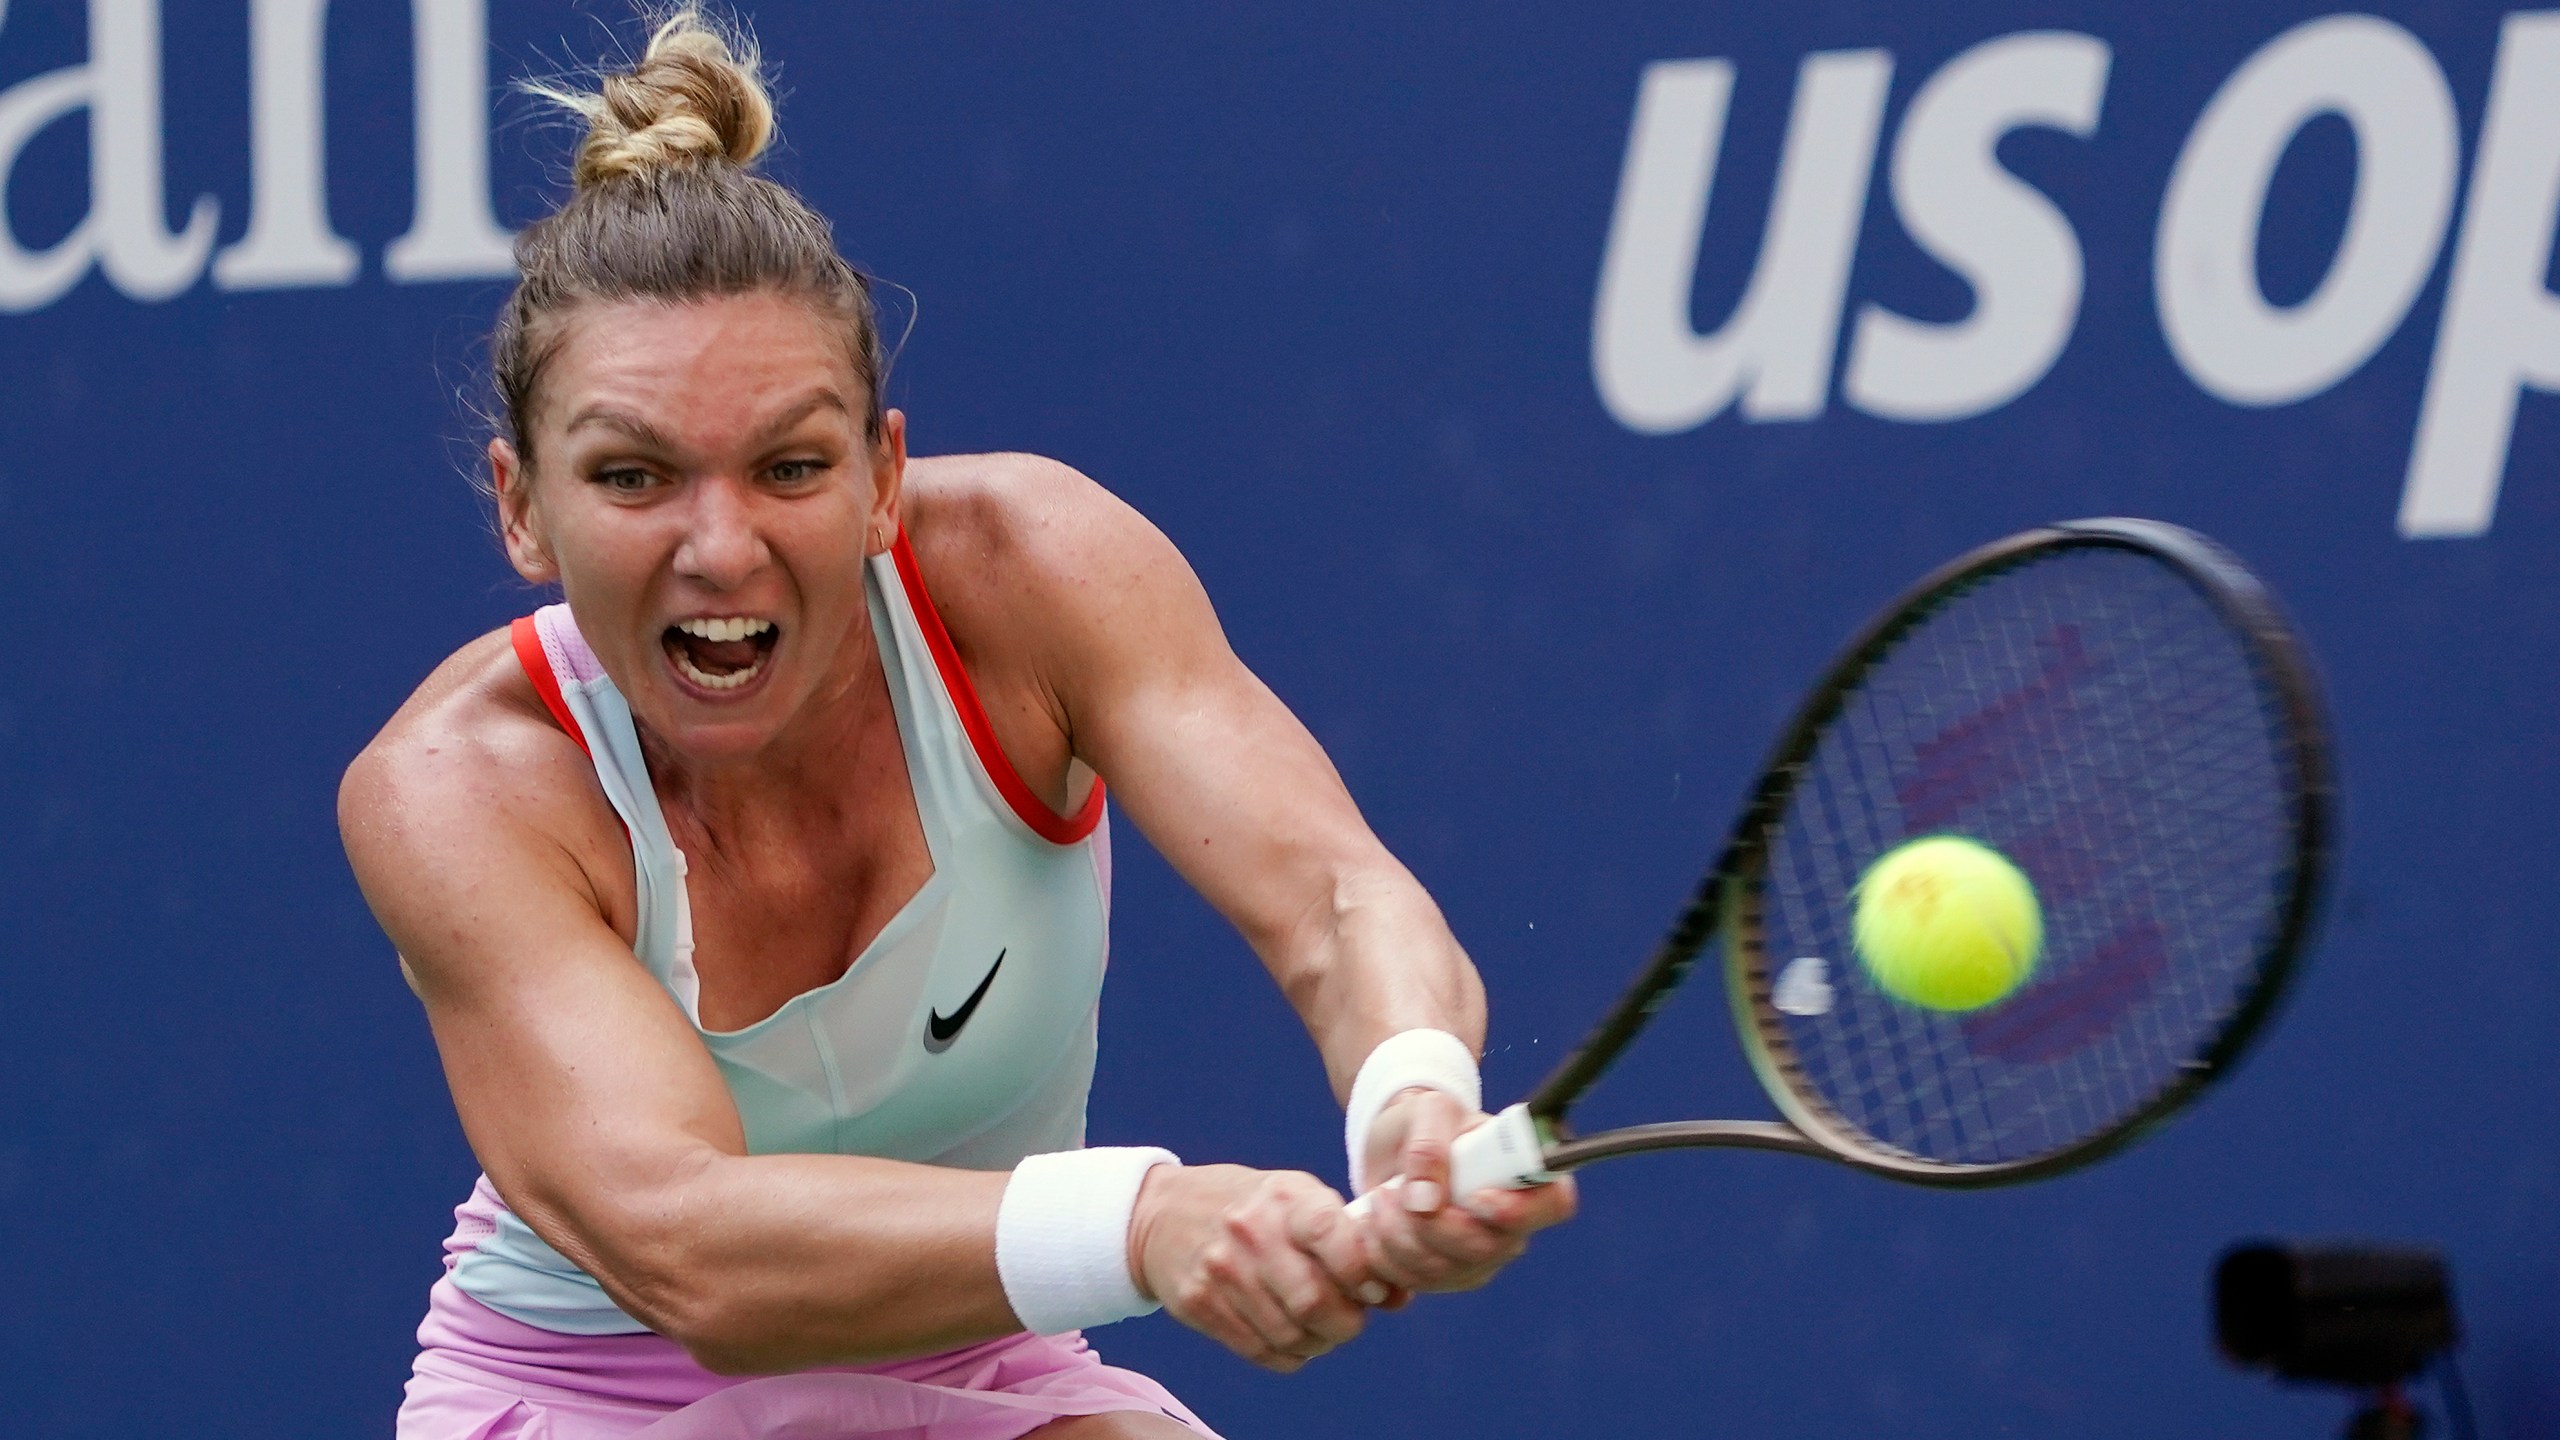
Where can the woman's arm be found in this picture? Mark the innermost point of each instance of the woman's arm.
(1231, 788)
(603, 1121)
(1101, 616)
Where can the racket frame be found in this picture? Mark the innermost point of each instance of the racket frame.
(1725, 904)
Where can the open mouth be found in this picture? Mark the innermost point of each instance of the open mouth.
(720, 654)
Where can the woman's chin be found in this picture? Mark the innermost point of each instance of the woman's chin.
(709, 742)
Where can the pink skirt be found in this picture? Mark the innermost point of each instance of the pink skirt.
(482, 1376)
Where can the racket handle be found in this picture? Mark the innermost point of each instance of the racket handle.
(1503, 1153)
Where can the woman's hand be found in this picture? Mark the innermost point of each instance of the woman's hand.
(1263, 1262)
(1421, 1237)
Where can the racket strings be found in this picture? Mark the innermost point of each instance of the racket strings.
(2093, 716)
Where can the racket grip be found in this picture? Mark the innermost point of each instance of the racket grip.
(1503, 1153)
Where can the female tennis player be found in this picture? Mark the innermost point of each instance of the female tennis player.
(757, 894)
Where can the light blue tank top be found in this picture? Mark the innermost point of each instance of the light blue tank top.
(963, 1035)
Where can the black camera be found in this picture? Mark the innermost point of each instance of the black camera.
(2349, 1313)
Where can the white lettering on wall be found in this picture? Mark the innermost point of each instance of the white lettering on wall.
(135, 248)
(289, 240)
(455, 234)
(2499, 336)
(126, 231)
(2382, 81)
(31, 279)
(2000, 234)
(1655, 372)
(2501, 329)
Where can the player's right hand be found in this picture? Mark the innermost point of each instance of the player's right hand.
(1420, 1236)
(1263, 1262)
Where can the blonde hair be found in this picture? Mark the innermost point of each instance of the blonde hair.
(697, 93)
(665, 208)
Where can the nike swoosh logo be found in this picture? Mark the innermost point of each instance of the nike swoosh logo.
(940, 1029)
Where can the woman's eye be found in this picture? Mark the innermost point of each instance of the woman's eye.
(628, 482)
(792, 472)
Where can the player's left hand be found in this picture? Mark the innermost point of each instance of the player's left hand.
(1420, 1236)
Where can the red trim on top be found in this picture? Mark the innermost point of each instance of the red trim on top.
(537, 668)
(1046, 823)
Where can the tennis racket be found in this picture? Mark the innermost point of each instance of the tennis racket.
(2117, 706)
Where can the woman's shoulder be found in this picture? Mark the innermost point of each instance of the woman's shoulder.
(1020, 506)
(1059, 597)
(471, 752)
(1007, 540)
(478, 706)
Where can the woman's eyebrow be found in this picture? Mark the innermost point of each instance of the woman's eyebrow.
(650, 435)
(814, 402)
(629, 424)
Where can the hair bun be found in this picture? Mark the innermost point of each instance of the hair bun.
(695, 96)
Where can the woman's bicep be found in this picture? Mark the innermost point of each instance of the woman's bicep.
(1236, 792)
(583, 1090)
(577, 1079)
(1224, 780)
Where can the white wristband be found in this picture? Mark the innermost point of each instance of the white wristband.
(1424, 1059)
(1062, 1237)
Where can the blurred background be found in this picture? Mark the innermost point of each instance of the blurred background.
(1450, 342)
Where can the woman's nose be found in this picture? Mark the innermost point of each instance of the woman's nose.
(722, 546)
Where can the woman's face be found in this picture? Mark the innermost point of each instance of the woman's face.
(706, 498)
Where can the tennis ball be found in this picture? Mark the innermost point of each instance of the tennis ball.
(1947, 923)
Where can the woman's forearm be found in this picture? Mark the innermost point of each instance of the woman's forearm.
(775, 1263)
(767, 1263)
(1377, 959)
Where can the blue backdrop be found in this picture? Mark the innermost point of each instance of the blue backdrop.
(1315, 287)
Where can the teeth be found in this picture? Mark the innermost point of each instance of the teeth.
(731, 628)
(709, 681)
(719, 630)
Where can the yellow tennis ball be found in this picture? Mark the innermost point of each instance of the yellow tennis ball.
(1947, 923)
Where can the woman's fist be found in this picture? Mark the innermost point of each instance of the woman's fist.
(1263, 1262)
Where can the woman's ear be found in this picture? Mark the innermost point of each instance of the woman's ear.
(888, 480)
(517, 523)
